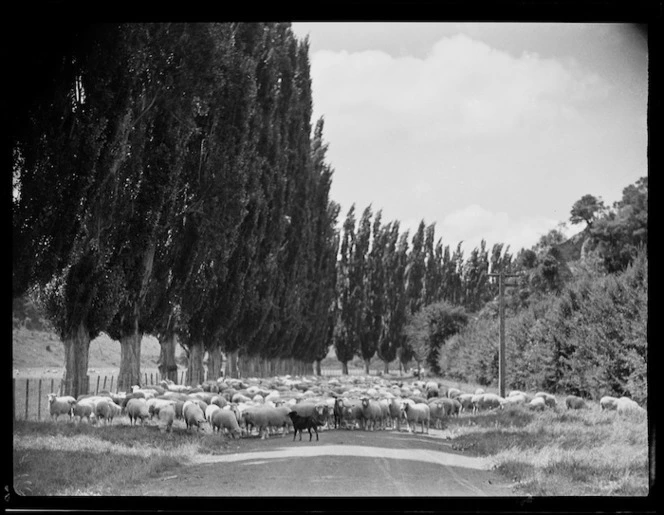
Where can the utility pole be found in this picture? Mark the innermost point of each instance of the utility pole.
(501, 311)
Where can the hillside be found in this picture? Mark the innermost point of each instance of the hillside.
(36, 349)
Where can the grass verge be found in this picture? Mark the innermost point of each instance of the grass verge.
(560, 452)
(99, 460)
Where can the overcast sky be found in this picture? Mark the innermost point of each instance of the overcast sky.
(490, 130)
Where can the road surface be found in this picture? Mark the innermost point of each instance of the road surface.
(341, 463)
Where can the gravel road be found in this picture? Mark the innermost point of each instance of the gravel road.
(341, 463)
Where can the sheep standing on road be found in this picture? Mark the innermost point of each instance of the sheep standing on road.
(225, 420)
(415, 413)
(60, 406)
(372, 413)
(395, 413)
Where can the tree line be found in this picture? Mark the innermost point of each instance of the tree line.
(167, 180)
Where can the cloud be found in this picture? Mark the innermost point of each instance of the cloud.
(462, 87)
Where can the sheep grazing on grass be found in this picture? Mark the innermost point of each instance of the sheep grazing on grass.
(489, 401)
(210, 411)
(516, 399)
(60, 406)
(453, 393)
(301, 423)
(608, 403)
(466, 400)
(193, 416)
(83, 410)
(219, 401)
(415, 413)
(574, 402)
(156, 404)
(479, 391)
(103, 412)
(225, 420)
(166, 416)
(538, 403)
(549, 400)
(137, 409)
(626, 405)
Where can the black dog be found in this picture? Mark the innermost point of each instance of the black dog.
(300, 423)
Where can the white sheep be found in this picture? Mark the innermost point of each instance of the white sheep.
(479, 391)
(156, 404)
(264, 417)
(224, 419)
(538, 403)
(193, 415)
(84, 409)
(60, 406)
(166, 417)
(453, 393)
(574, 402)
(466, 400)
(415, 413)
(516, 399)
(371, 412)
(549, 399)
(608, 403)
(625, 405)
(137, 408)
(209, 411)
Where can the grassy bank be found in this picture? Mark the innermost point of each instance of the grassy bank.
(585, 452)
(99, 460)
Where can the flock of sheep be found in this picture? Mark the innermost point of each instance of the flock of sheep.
(238, 407)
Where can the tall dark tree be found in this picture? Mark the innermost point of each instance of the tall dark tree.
(69, 175)
(346, 340)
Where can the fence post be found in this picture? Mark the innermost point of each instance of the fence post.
(104, 387)
(151, 381)
(97, 391)
(51, 386)
(111, 387)
(39, 400)
(146, 378)
(27, 397)
(182, 377)
(13, 398)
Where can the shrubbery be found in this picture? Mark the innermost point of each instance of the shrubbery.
(590, 340)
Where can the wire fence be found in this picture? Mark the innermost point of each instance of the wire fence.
(31, 394)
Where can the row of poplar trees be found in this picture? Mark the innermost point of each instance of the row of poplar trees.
(384, 280)
(167, 180)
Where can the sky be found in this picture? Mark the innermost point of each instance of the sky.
(489, 130)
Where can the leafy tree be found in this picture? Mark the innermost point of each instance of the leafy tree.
(586, 209)
(346, 341)
(429, 329)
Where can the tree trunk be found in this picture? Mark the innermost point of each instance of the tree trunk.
(386, 367)
(214, 363)
(130, 361)
(77, 347)
(318, 370)
(195, 370)
(344, 368)
(231, 364)
(367, 364)
(168, 367)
